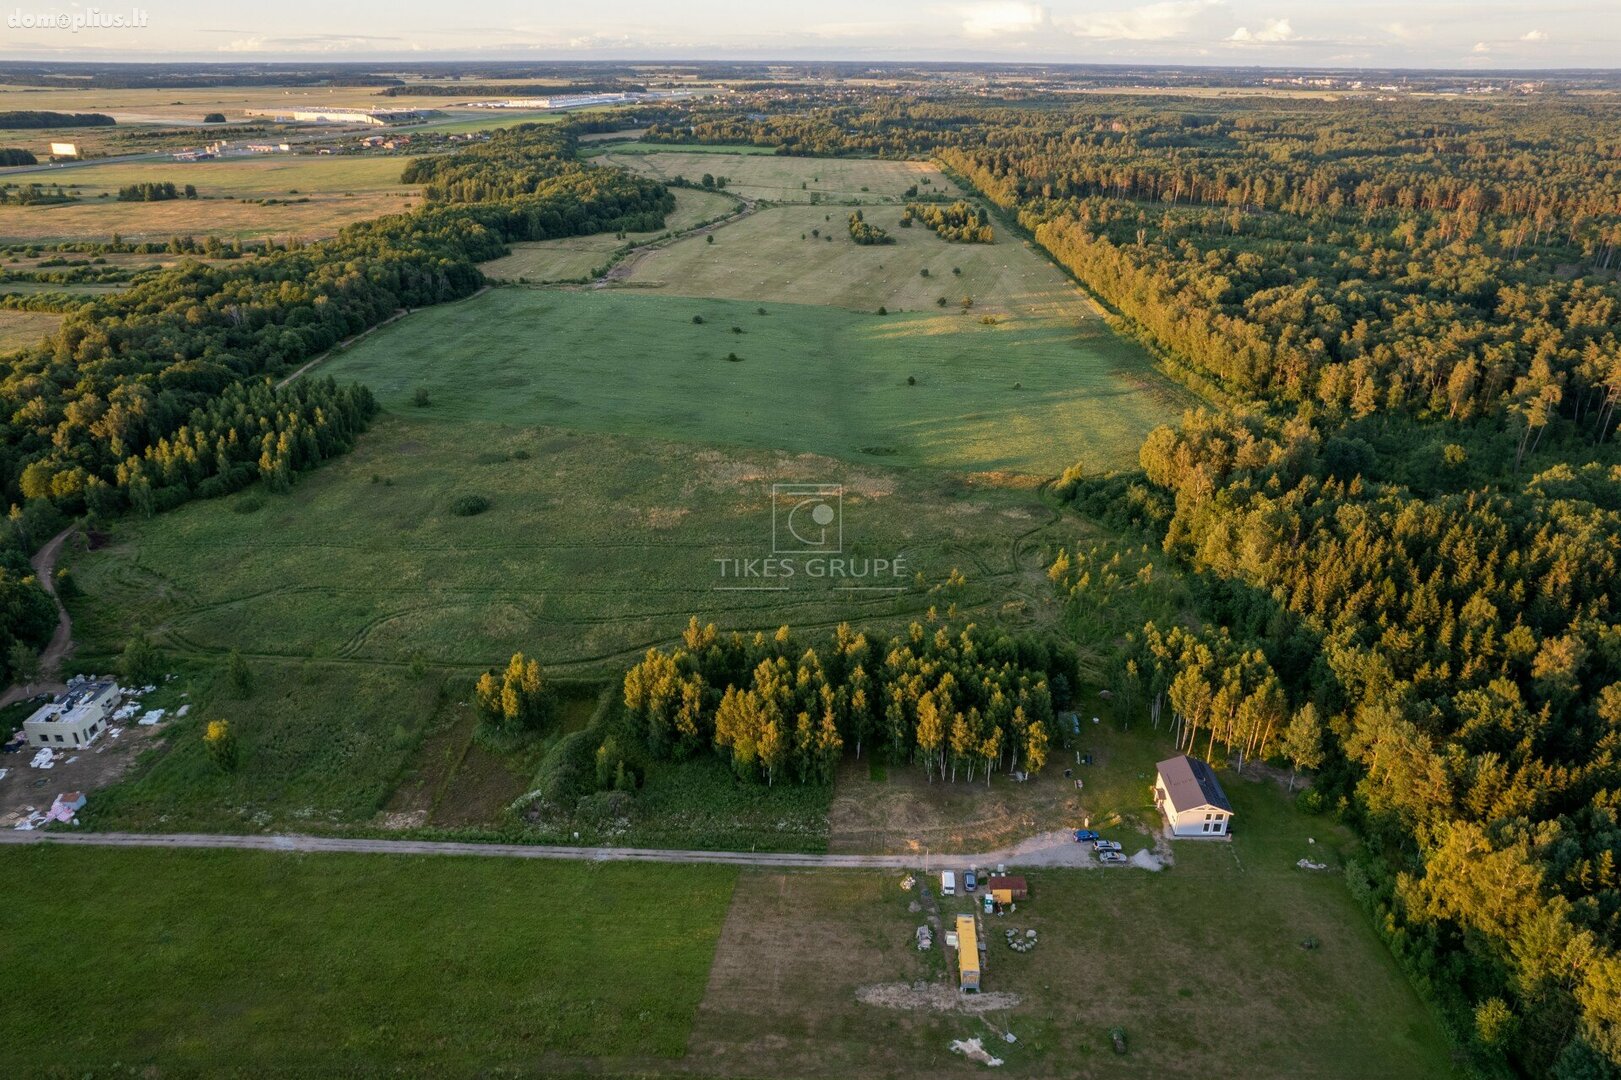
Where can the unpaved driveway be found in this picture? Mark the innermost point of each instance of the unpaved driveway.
(1048, 849)
(61, 643)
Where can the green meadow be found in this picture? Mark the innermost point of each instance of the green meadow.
(920, 388)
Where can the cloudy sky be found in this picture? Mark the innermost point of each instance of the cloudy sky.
(1482, 34)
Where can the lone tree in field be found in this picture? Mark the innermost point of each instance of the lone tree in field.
(220, 742)
(139, 661)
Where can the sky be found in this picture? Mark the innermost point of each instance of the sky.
(1482, 35)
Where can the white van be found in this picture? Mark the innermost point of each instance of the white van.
(948, 883)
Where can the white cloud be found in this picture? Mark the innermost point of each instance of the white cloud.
(1273, 30)
(1534, 35)
(1481, 47)
(314, 43)
(1153, 22)
(998, 19)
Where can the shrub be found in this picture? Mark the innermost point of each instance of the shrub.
(138, 663)
(214, 118)
(1310, 801)
(421, 399)
(220, 741)
(734, 358)
(241, 675)
(697, 320)
(469, 505)
(882, 310)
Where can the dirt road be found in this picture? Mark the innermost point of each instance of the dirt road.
(1049, 849)
(61, 643)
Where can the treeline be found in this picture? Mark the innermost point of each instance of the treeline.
(154, 191)
(865, 232)
(129, 370)
(955, 701)
(11, 155)
(960, 222)
(34, 195)
(19, 119)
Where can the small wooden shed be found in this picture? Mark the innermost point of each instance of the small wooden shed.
(1005, 890)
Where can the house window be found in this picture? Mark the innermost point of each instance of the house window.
(1206, 827)
(1207, 817)
(44, 738)
(59, 738)
(75, 736)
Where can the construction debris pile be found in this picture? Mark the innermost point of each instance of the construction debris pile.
(925, 938)
(1020, 943)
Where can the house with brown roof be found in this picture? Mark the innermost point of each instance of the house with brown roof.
(1187, 792)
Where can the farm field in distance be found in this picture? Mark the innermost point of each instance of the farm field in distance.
(578, 256)
(314, 196)
(20, 329)
(764, 174)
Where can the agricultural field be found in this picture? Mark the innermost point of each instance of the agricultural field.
(761, 173)
(22, 329)
(777, 254)
(575, 257)
(312, 197)
(195, 963)
(1031, 396)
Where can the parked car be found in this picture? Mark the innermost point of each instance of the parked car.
(969, 882)
(1107, 845)
(1111, 856)
(1083, 835)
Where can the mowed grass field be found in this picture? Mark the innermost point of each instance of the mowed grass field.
(246, 963)
(575, 257)
(1030, 396)
(761, 173)
(315, 197)
(22, 329)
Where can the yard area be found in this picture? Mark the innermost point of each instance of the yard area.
(205, 962)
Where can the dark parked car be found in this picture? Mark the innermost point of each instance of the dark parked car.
(968, 881)
(1083, 835)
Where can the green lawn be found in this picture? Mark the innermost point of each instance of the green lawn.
(246, 963)
(1030, 396)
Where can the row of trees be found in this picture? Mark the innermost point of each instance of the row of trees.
(962, 702)
(155, 191)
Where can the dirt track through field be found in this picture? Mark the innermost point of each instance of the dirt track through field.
(61, 643)
(1048, 849)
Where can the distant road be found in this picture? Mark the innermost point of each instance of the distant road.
(1050, 849)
